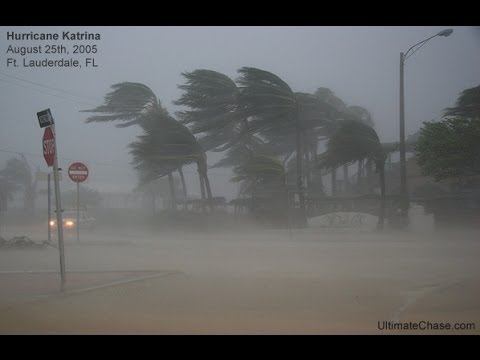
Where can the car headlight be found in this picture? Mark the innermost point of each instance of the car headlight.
(69, 223)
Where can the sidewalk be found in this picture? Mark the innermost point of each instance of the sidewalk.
(23, 287)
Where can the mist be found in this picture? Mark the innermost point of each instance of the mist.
(234, 250)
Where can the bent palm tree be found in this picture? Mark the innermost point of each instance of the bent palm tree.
(467, 105)
(163, 147)
(354, 141)
(272, 105)
(212, 101)
(136, 104)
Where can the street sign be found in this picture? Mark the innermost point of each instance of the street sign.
(78, 172)
(49, 146)
(45, 118)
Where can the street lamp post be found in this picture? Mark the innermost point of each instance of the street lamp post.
(403, 164)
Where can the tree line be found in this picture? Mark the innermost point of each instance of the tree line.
(257, 120)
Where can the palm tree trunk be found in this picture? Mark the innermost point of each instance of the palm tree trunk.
(303, 217)
(173, 199)
(209, 190)
(207, 181)
(345, 179)
(202, 186)
(184, 187)
(307, 169)
(254, 192)
(381, 217)
(287, 204)
(320, 180)
(204, 181)
(334, 181)
(369, 171)
(359, 176)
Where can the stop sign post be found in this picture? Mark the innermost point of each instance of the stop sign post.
(78, 173)
(49, 147)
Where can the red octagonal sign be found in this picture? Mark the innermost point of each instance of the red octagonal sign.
(49, 146)
(78, 172)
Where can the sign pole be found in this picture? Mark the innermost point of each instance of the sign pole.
(59, 216)
(78, 173)
(78, 211)
(49, 210)
(45, 120)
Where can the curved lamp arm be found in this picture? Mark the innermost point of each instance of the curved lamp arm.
(446, 32)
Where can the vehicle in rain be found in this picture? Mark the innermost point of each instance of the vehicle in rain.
(69, 219)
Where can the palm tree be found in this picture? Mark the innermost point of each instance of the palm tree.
(261, 168)
(271, 105)
(212, 101)
(165, 146)
(7, 188)
(18, 171)
(344, 112)
(266, 173)
(215, 112)
(467, 105)
(328, 96)
(354, 141)
(136, 104)
(359, 113)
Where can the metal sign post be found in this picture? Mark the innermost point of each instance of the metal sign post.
(59, 217)
(49, 210)
(49, 152)
(78, 211)
(78, 173)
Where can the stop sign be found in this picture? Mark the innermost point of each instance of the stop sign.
(78, 172)
(49, 146)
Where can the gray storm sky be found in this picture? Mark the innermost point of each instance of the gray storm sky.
(360, 64)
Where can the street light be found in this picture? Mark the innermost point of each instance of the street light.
(403, 164)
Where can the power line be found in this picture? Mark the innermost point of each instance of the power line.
(55, 89)
(48, 93)
(47, 87)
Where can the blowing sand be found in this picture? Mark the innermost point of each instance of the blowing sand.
(251, 282)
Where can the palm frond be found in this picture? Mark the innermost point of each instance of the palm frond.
(127, 103)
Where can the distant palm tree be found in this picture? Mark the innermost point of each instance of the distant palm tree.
(18, 174)
(7, 188)
(344, 112)
(359, 113)
(265, 172)
(328, 96)
(261, 168)
(353, 141)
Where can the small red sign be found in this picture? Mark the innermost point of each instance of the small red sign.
(49, 146)
(78, 172)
